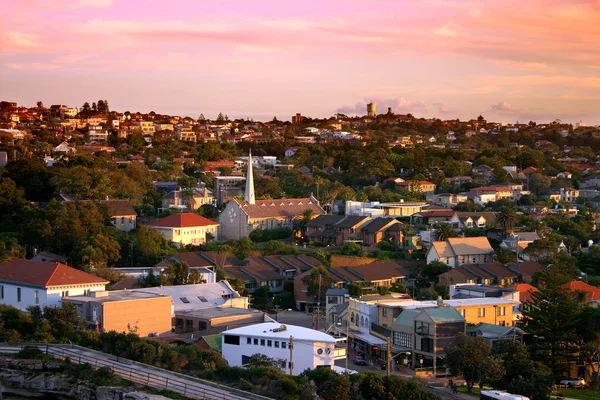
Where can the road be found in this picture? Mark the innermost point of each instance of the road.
(156, 378)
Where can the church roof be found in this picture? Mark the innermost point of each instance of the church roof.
(283, 208)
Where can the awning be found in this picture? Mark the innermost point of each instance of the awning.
(368, 338)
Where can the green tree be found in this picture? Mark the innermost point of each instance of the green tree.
(467, 356)
(353, 249)
(312, 288)
(150, 246)
(507, 217)
(261, 298)
(301, 222)
(444, 231)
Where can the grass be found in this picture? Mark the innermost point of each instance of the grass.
(474, 391)
(580, 394)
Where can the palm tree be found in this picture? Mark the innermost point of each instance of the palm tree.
(303, 220)
(506, 217)
(444, 231)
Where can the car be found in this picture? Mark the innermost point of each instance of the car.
(573, 382)
(359, 361)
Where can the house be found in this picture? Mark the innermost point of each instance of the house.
(348, 230)
(334, 298)
(525, 291)
(64, 148)
(124, 311)
(481, 220)
(564, 175)
(382, 229)
(122, 215)
(322, 228)
(476, 291)
(423, 187)
(485, 194)
(526, 270)
(484, 171)
(187, 200)
(46, 256)
(200, 259)
(458, 251)
(434, 218)
(447, 200)
(587, 292)
(519, 241)
(290, 151)
(295, 348)
(25, 283)
(392, 209)
(182, 229)
(217, 319)
(490, 273)
(492, 333)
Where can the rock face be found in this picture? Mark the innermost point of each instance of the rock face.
(44, 379)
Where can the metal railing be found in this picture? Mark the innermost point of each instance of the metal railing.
(147, 375)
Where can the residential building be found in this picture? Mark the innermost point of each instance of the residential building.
(200, 259)
(125, 311)
(382, 229)
(185, 133)
(485, 194)
(147, 127)
(334, 298)
(46, 256)
(433, 218)
(584, 291)
(97, 134)
(187, 200)
(25, 283)
(217, 319)
(492, 273)
(458, 251)
(348, 230)
(492, 333)
(447, 200)
(424, 187)
(481, 220)
(122, 215)
(181, 229)
(518, 241)
(296, 348)
(322, 228)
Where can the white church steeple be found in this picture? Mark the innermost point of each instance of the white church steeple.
(249, 194)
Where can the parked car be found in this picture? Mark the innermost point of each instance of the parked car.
(573, 382)
(359, 361)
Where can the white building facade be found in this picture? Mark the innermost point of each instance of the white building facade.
(310, 349)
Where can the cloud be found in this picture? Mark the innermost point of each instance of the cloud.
(398, 105)
(20, 39)
(526, 66)
(442, 109)
(445, 31)
(504, 108)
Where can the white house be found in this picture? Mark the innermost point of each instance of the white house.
(186, 228)
(25, 283)
(458, 251)
(305, 348)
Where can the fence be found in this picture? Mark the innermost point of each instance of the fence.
(147, 375)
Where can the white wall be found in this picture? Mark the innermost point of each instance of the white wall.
(305, 354)
(47, 297)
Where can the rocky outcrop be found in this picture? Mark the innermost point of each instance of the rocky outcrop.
(45, 379)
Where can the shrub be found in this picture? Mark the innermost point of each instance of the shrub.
(30, 353)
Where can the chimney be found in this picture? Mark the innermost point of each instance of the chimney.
(440, 301)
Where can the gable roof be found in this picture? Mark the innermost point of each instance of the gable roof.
(200, 259)
(119, 207)
(380, 223)
(443, 314)
(436, 213)
(525, 290)
(443, 249)
(351, 221)
(283, 208)
(526, 268)
(470, 245)
(323, 220)
(183, 220)
(375, 271)
(579, 286)
(45, 274)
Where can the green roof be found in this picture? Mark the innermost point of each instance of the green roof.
(495, 329)
(444, 314)
(213, 341)
(407, 317)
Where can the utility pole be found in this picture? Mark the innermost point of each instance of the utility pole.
(389, 355)
(319, 302)
(291, 346)
(347, 343)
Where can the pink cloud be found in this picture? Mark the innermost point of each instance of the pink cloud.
(398, 105)
(504, 108)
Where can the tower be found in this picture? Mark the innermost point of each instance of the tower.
(371, 110)
(249, 194)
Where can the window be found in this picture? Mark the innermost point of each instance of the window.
(18, 294)
(202, 299)
(255, 342)
(189, 323)
(332, 300)
(231, 339)
(463, 312)
(36, 296)
(481, 312)
(384, 311)
(276, 344)
(262, 342)
(269, 343)
(179, 322)
(501, 311)
(65, 293)
(283, 345)
(248, 340)
(403, 339)
(202, 325)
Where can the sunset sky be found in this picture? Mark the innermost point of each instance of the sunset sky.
(506, 60)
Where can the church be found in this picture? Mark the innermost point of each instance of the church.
(239, 218)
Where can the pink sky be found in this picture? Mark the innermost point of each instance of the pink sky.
(506, 60)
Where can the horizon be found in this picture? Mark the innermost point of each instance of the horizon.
(434, 59)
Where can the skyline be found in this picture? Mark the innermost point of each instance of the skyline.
(535, 60)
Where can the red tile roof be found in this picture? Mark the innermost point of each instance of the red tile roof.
(45, 274)
(525, 290)
(183, 220)
(579, 286)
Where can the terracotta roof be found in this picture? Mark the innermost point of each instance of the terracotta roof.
(525, 290)
(579, 286)
(45, 274)
(183, 220)
(279, 208)
(340, 260)
(119, 207)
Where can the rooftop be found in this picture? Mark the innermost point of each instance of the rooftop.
(219, 312)
(45, 274)
(480, 301)
(115, 295)
(265, 330)
(183, 220)
(199, 296)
